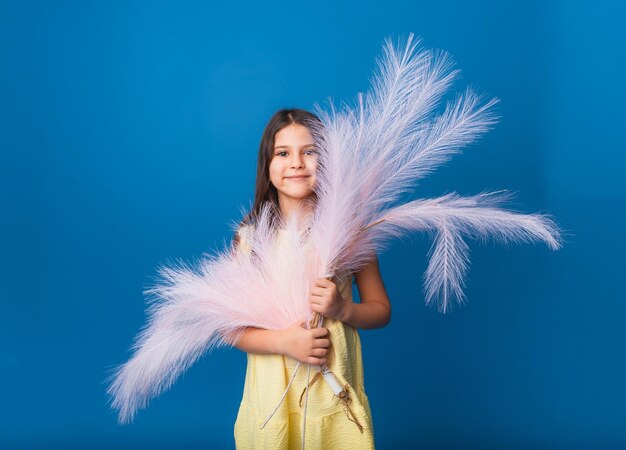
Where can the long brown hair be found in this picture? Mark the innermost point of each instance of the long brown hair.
(264, 190)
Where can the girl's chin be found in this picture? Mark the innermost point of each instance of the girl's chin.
(300, 194)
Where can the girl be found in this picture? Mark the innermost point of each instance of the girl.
(286, 170)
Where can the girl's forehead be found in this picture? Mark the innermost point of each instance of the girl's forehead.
(293, 132)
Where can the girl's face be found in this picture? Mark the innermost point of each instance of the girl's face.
(294, 162)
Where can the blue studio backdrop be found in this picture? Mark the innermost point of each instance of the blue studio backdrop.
(128, 136)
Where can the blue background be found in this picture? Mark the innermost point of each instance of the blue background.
(129, 133)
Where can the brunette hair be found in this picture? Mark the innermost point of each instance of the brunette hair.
(264, 190)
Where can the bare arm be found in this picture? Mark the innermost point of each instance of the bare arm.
(308, 346)
(374, 311)
(260, 341)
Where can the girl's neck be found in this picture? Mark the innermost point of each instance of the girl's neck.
(291, 208)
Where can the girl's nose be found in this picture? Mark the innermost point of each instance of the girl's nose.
(297, 162)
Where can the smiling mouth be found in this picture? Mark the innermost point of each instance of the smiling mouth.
(298, 178)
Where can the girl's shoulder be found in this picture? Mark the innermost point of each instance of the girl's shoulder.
(243, 237)
(244, 230)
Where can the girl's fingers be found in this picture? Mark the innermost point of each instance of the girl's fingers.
(315, 361)
(323, 283)
(318, 291)
(318, 299)
(316, 304)
(322, 343)
(319, 352)
(319, 332)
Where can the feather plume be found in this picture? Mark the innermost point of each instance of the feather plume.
(370, 155)
(194, 309)
(451, 217)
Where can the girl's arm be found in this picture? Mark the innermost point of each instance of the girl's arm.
(260, 341)
(374, 311)
(308, 346)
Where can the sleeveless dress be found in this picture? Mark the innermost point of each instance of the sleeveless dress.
(327, 424)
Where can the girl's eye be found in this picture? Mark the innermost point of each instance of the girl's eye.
(283, 153)
(310, 151)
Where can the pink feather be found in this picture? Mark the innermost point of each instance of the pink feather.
(369, 155)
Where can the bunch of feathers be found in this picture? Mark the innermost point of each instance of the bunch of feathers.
(369, 155)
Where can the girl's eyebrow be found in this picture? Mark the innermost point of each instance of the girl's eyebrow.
(288, 146)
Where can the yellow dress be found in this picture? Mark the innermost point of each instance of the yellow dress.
(327, 424)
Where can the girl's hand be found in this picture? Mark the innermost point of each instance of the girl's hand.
(326, 299)
(307, 346)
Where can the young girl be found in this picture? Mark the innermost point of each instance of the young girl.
(286, 177)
